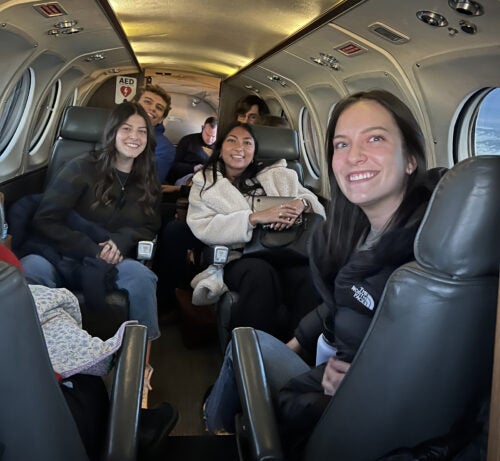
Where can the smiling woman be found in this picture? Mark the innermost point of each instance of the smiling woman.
(93, 214)
(379, 194)
(273, 295)
(370, 162)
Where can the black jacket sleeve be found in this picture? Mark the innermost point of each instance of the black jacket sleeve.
(310, 327)
(58, 201)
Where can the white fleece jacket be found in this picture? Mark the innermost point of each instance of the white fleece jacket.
(221, 214)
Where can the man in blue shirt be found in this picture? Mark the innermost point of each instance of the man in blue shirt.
(157, 104)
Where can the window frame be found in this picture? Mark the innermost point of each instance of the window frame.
(15, 110)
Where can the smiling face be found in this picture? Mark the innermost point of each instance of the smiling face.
(131, 140)
(154, 105)
(369, 162)
(237, 151)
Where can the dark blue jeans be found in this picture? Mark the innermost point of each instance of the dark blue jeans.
(223, 404)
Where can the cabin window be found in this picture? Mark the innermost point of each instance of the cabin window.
(13, 110)
(477, 131)
(309, 141)
(486, 132)
(45, 113)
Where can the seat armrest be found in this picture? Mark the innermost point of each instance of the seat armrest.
(126, 394)
(259, 423)
(224, 308)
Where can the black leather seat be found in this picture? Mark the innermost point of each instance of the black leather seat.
(274, 144)
(35, 421)
(81, 129)
(427, 356)
(279, 143)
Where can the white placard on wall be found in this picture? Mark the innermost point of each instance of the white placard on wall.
(125, 88)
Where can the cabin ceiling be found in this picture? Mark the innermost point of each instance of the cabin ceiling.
(215, 37)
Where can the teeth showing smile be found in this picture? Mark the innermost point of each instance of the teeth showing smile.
(361, 176)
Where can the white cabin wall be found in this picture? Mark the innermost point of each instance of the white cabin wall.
(186, 118)
(467, 71)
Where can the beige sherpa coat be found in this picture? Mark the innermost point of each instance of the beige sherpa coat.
(221, 215)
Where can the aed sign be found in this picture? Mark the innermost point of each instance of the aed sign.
(125, 88)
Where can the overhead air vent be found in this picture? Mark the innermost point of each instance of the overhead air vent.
(432, 18)
(350, 49)
(388, 33)
(467, 7)
(65, 28)
(50, 10)
(326, 60)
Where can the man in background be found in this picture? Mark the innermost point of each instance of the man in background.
(250, 109)
(157, 104)
(194, 150)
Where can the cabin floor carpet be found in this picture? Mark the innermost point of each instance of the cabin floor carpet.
(181, 376)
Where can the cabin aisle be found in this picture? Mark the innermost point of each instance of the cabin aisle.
(182, 375)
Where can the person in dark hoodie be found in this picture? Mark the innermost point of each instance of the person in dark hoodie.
(379, 192)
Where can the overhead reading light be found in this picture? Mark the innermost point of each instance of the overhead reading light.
(252, 88)
(95, 57)
(467, 27)
(71, 30)
(467, 7)
(195, 101)
(65, 27)
(65, 24)
(326, 60)
(432, 18)
(277, 79)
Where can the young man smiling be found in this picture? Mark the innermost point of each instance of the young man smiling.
(157, 104)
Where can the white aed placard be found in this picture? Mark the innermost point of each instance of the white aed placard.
(125, 88)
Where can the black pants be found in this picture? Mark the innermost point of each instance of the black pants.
(271, 298)
(88, 402)
(171, 263)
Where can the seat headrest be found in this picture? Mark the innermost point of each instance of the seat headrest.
(459, 234)
(276, 143)
(84, 123)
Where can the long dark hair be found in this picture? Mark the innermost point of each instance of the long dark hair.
(346, 223)
(245, 183)
(143, 172)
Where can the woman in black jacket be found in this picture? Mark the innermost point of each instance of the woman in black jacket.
(379, 191)
(94, 213)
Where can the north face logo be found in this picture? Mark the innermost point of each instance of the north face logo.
(363, 297)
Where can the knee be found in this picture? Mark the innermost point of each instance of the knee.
(37, 270)
(253, 271)
(135, 272)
